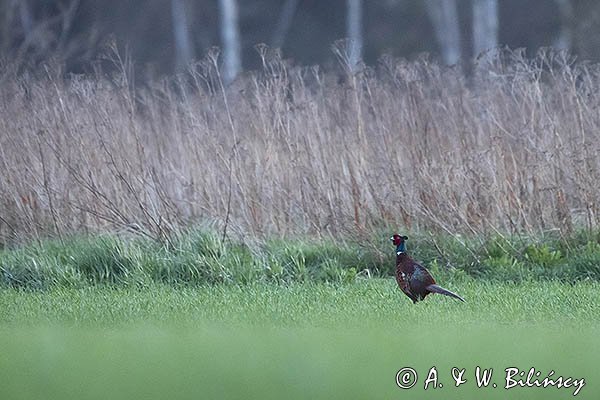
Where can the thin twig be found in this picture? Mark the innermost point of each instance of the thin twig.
(229, 191)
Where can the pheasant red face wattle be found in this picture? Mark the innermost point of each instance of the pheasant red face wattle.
(397, 239)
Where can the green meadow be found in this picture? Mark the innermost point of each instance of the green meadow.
(296, 340)
(213, 242)
(114, 317)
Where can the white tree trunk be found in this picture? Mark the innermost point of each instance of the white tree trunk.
(230, 39)
(354, 32)
(181, 33)
(285, 21)
(565, 37)
(485, 26)
(444, 18)
(26, 17)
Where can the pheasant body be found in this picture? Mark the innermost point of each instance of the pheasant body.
(412, 278)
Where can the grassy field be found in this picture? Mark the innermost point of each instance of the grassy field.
(200, 256)
(302, 340)
(232, 242)
(120, 317)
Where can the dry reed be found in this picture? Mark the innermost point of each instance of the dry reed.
(514, 147)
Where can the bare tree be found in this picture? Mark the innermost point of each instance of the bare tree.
(354, 32)
(230, 40)
(39, 33)
(485, 25)
(25, 16)
(16, 21)
(181, 34)
(565, 37)
(283, 24)
(444, 18)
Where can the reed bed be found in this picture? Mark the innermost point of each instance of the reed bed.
(510, 147)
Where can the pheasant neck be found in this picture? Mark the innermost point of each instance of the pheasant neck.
(401, 249)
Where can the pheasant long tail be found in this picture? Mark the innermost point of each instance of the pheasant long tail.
(440, 290)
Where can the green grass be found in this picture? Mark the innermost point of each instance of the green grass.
(375, 301)
(199, 257)
(301, 340)
(114, 317)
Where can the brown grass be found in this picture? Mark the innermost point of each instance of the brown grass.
(513, 148)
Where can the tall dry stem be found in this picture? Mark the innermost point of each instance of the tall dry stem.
(288, 150)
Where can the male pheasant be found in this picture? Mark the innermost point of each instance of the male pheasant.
(414, 280)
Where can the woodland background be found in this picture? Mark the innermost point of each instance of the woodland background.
(99, 134)
(163, 36)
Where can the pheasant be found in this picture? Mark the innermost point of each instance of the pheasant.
(413, 279)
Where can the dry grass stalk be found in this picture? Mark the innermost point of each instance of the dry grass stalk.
(410, 144)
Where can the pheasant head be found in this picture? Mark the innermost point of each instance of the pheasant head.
(399, 242)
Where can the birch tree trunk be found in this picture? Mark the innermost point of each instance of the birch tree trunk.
(565, 37)
(230, 40)
(285, 21)
(444, 18)
(181, 34)
(354, 32)
(485, 26)
(26, 17)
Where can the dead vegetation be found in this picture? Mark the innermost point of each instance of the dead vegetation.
(513, 148)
